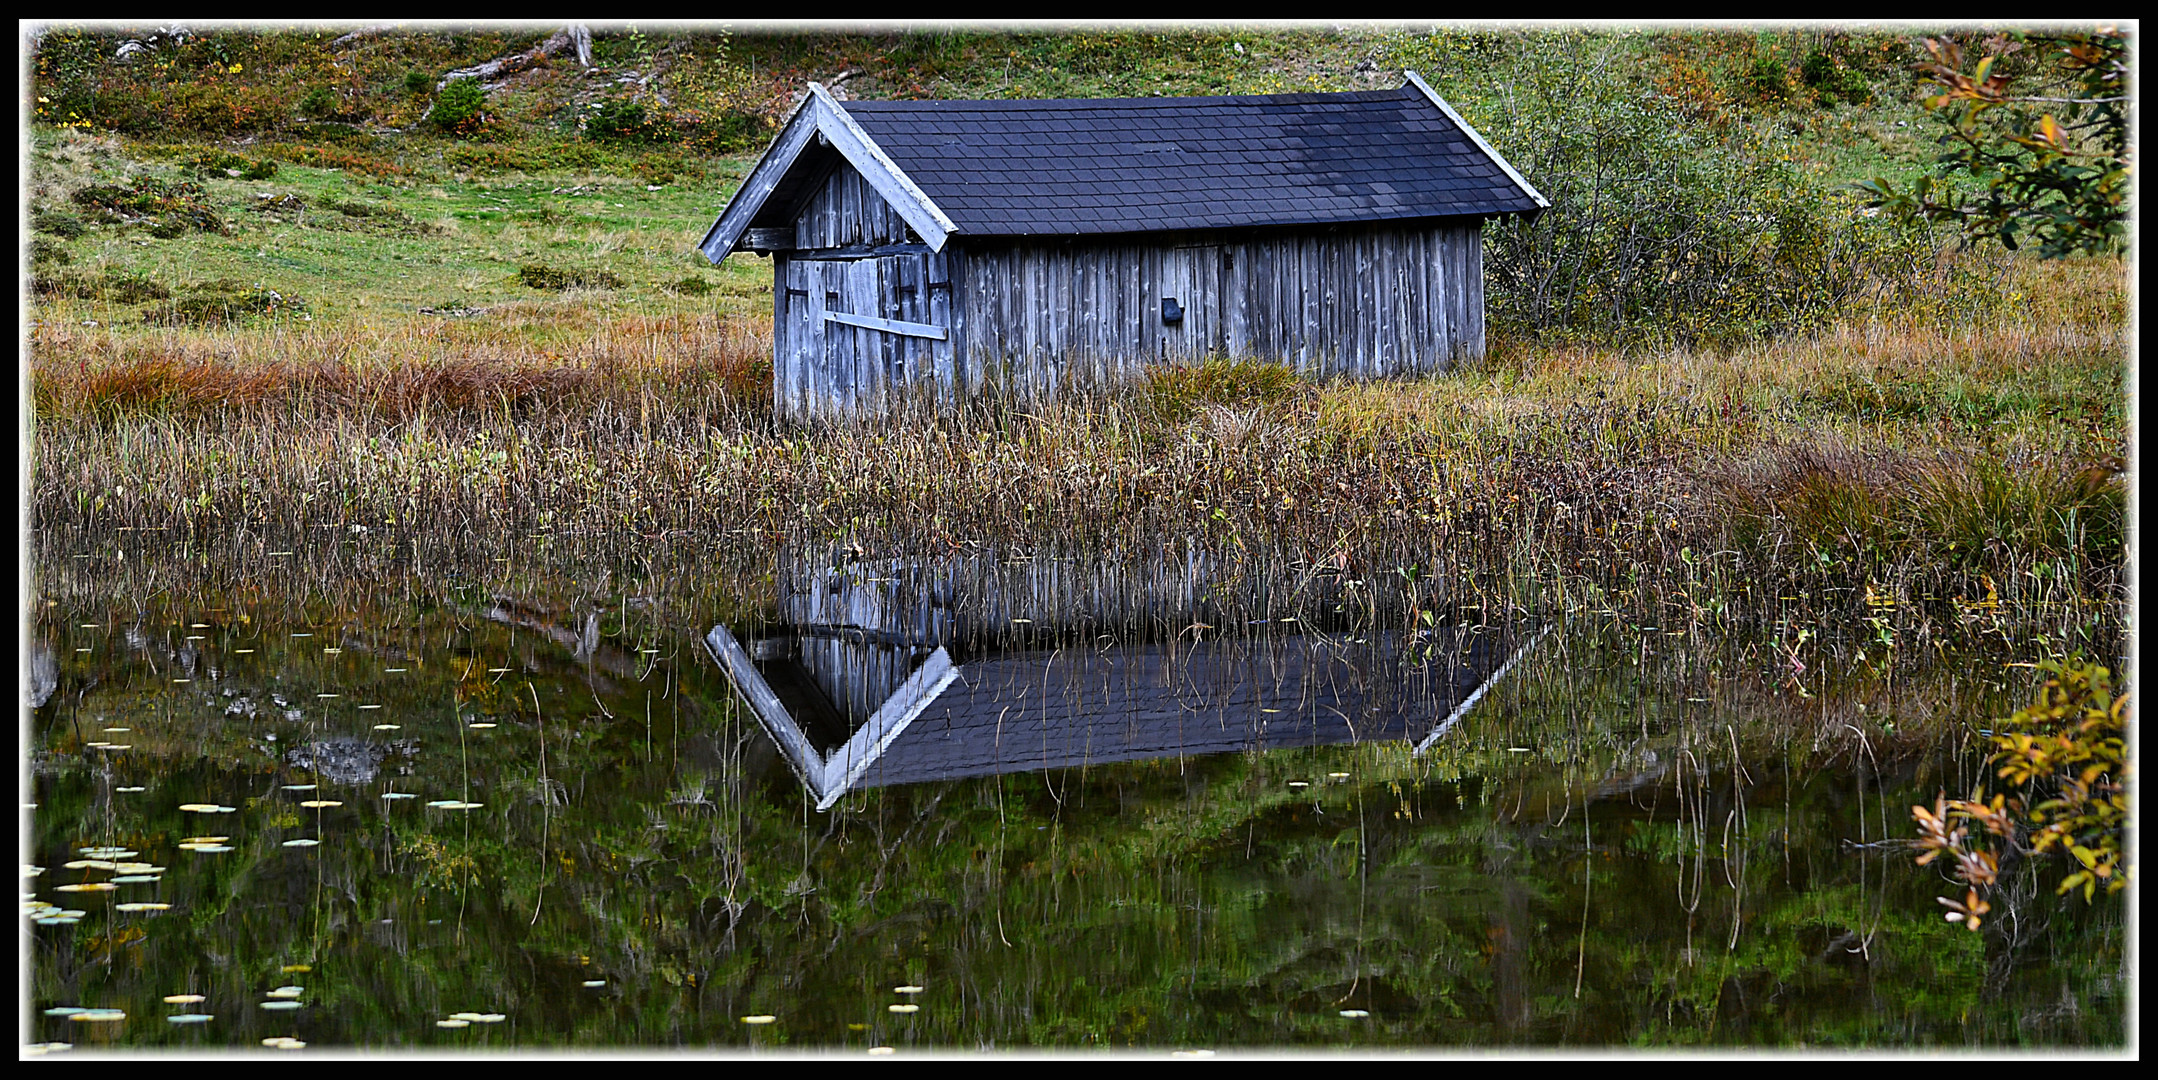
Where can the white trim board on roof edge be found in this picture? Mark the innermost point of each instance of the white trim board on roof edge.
(831, 777)
(820, 115)
(1477, 137)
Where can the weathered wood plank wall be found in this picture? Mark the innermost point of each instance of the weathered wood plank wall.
(1366, 303)
(848, 212)
(1029, 317)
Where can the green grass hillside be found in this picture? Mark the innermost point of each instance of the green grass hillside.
(183, 178)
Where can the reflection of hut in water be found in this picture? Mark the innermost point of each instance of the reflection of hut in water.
(909, 673)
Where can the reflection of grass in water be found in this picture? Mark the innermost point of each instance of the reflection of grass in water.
(1133, 891)
(434, 865)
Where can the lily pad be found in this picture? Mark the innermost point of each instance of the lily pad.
(99, 1016)
(302, 842)
(299, 787)
(48, 1048)
(279, 1004)
(399, 795)
(142, 906)
(88, 886)
(760, 1018)
(880, 1051)
(320, 804)
(453, 1023)
(903, 1008)
(189, 1018)
(210, 849)
(184, 999)
(63, 1010)
(130, 789)
(288, 991)
(59, 920)
(1355, 1014)
(92, 864)
(285, 1042)
(206, 839)
(452, 804)
(595, 982)
(137, 879)
(106, 852)
(479, 726)
(906, 989)
(388, 727)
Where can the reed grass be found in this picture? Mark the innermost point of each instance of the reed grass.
(1909, 461)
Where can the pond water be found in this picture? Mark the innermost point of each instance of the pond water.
(1005, 804)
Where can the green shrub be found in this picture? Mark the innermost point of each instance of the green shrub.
(356, 208)
(620, 120)
(168, 206)
(1766, 79)
(319, 102)
(556, 278)
(228, 163)
(416, 82)
(1662, 228)
(460, 108)
(218, 304)
(46, 251)
(53, 222)
(113, 286)
(1832, 82)
(690, 286)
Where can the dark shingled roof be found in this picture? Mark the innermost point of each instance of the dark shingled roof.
(1117, 165)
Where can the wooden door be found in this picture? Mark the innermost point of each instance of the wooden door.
(858, 335)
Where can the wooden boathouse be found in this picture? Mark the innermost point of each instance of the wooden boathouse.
(947, 248)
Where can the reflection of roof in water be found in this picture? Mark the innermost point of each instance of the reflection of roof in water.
(1021, 711)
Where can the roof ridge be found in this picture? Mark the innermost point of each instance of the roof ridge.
(1296, 97)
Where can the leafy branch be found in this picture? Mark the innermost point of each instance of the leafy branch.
(2059, 176)
(2066, 758)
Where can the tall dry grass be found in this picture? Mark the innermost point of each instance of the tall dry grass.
(1930, 466)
